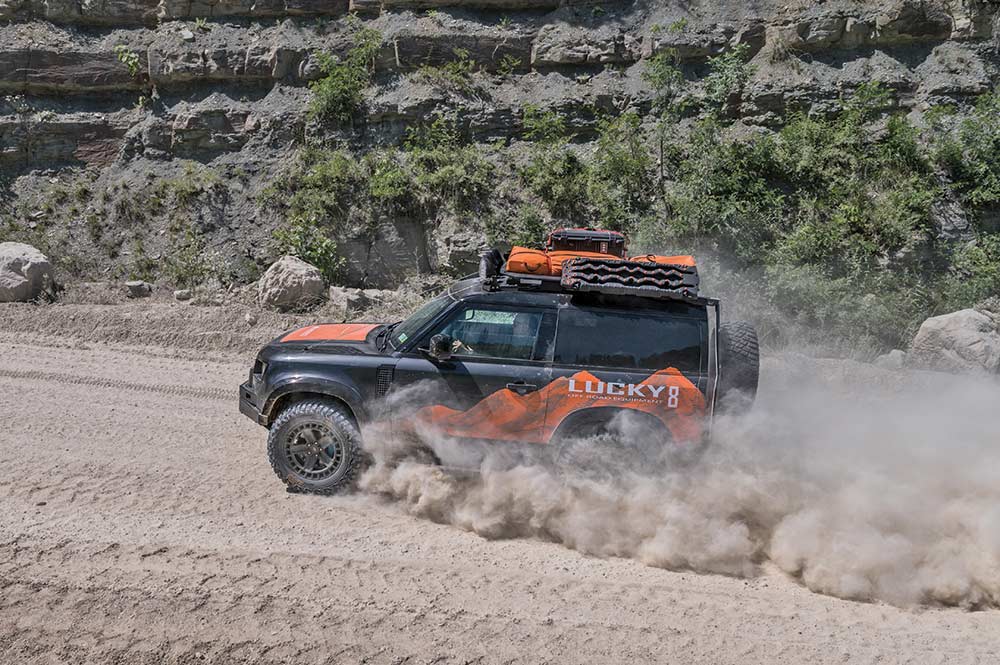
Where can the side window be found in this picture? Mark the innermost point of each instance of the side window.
(487, 332)
(625, 340)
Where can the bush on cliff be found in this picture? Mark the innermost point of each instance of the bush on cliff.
(337, 96)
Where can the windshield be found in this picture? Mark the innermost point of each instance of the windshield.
(411, 326)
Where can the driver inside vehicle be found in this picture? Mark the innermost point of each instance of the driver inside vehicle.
(494, 336)
(458, 347)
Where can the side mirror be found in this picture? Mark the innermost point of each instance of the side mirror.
(440, 347)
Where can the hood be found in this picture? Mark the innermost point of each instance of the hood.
(331, 332)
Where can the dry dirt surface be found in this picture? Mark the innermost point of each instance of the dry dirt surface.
(141, 523)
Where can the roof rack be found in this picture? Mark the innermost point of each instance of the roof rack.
(646, 279)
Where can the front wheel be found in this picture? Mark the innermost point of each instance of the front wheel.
(315, 447)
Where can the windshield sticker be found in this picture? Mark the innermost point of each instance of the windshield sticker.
(403, 337)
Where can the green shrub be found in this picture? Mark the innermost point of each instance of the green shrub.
(141, 265)
(866, 312)
(187, 264)
(971, 153)
(614, 189)
(560, 179)
(720, 198)
(664, 76)
(129, 58)
(446, 170)
(389, 183)
(555, 173)
(836, 214)
(306, 239)
(545, 128)
(324, 186)
(974, 274)
(507, 66)
(730, 74)
(454, 75)
(185, 189)
(337, 96)
(620, 182)
(530, 227)
(327, 194)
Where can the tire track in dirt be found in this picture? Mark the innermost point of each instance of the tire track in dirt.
(381, 605)
(143, 525)
(100, 382)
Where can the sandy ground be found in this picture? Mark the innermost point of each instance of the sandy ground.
(141, 523)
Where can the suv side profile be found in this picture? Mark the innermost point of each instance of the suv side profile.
(499, 359)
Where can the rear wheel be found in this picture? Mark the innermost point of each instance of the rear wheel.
(315, 447)
(739, 367)
(606, 449)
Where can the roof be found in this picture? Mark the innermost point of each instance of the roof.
(474, 288)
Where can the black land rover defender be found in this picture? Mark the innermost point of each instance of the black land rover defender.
(506, 358)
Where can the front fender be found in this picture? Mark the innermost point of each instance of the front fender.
(311, 384)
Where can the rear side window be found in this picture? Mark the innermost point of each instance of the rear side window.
(625, 340)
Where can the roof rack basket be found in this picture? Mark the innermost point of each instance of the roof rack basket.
(647, 279)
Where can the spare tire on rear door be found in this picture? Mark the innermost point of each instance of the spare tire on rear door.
(739, 367)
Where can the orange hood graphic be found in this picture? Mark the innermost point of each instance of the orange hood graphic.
(332, 332)
(505, 415)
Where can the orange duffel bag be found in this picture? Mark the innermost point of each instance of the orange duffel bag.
(557, 256)
(681, 260)
(528, 261)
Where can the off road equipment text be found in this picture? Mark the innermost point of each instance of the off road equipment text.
(628, 390)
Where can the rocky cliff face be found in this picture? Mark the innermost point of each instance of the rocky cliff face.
(128, 122)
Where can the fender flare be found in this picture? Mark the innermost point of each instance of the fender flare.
(346, 394)
(604, 414)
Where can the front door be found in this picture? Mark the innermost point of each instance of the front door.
(492, 387)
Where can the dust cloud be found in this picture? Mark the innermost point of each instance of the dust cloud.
(860, 483)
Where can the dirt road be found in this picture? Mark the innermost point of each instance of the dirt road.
(140, 523)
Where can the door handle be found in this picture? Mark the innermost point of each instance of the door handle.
(521, 387)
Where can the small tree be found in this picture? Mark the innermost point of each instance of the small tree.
(730, 74)
(340, 92)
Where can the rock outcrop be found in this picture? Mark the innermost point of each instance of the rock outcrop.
(967, 340)
(137, 91)
(25, 273)
(291, 284)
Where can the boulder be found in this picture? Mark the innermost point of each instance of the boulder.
(25, 273)
(290, 284)
(344, 301)
(961, 341)
(138, 289)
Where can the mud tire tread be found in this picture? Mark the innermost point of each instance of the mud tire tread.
(339, 417)
(739, 366)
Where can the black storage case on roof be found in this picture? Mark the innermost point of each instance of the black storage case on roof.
(587, 240)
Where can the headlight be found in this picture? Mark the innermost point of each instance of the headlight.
(259, 367)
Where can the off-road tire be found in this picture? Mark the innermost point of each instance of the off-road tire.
(599, 451)
(315, 416)
(739, 367)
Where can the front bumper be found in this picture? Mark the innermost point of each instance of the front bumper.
(248, 405)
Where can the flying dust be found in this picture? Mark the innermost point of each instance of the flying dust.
(860, 483)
